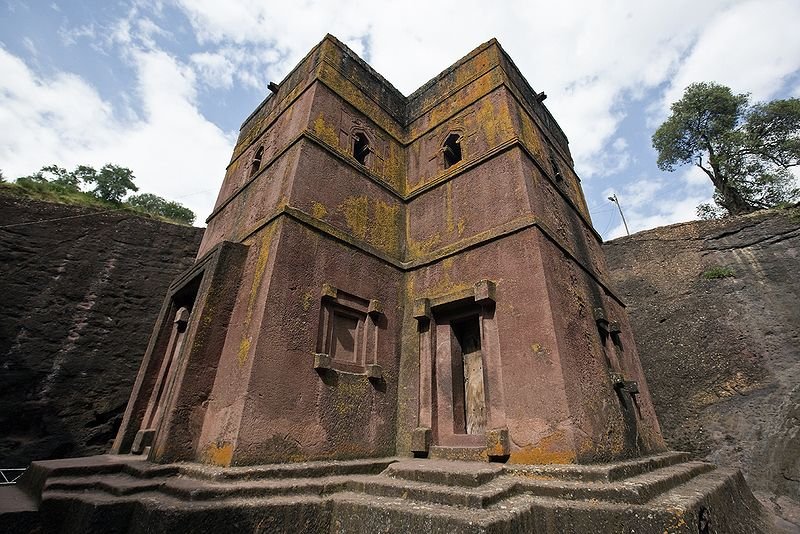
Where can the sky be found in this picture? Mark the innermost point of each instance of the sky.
(162, 86)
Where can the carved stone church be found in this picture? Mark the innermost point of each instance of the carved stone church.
(399, 318)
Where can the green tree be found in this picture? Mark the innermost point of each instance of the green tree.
(156, 205)
(112, 182)
(58, 178)
(746, 150)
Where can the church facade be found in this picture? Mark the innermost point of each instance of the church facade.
(387, 275)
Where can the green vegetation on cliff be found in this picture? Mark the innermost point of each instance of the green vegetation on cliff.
(111, 184)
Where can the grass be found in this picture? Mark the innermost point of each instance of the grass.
(49, 192)
(715, 273)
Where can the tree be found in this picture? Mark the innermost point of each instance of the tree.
(746, 150)
(112, 182)
(159, 206)
(56, 177)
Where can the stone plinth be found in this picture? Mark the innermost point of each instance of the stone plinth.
(663, 493)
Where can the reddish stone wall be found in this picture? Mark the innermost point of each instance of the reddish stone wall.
(500, 237)
(80, 296)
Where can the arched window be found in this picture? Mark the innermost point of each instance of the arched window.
(452, 150)
(256, 164)
(361, 148)
(554, 166)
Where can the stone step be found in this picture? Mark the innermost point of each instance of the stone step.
(114, 484)
(19, 512)
(425, 492)
(190, 489)
(94, 511)
(599, 472)
(634, 490)
(371, 503)
(445, 472)
(289, 470)
(458, 483)
(358, 513)
(468, 454)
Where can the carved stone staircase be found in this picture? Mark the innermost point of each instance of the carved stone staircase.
(664, 493)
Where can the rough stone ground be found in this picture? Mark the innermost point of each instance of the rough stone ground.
(722, 355)
(79, 299)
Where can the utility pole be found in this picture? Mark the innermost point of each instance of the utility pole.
(613, 198)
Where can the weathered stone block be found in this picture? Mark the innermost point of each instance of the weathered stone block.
(421, 440)
(422, 309)
(497, 442)
(322, 362)
(374, 371)
(485, 292)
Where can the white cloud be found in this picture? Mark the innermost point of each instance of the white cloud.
(751, 47)
(215, 69)
(648, 203)
(62, 119)
(597, 61)
(592, 58)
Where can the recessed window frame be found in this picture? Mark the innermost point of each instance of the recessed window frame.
(452, 152)
(255, 165)
(361, 149)
(337, 304)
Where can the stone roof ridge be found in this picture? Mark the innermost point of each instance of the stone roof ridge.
(408, 100)
(355, 57)
(528, 87)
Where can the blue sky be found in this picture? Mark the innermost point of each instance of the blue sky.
(161, 86)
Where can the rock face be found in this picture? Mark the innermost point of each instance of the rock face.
(715, 307)
(80, 296)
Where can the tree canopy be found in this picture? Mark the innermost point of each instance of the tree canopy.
(108, 185)
(158, 206)
(111, 182)
(746, 150)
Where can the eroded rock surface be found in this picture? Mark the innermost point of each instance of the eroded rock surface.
(715, 307)
(80, 296)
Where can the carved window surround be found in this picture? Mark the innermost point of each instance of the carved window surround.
(347, 339)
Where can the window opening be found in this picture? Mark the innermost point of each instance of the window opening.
(452, 150)
(469, 400)
(361, 148)
(554, 167)
(256, 164)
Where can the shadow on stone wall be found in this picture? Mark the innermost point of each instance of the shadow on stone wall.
(715, 307)
(80, 297)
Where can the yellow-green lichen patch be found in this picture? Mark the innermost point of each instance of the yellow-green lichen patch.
(385, 230)
(553, 449)
(308, 300)
(448, 207)
(319, 211)
(376, 222)
(417, 249)
(258, 275)
(327, 132)
(355, 214)
(219, 454)
(460, 227)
